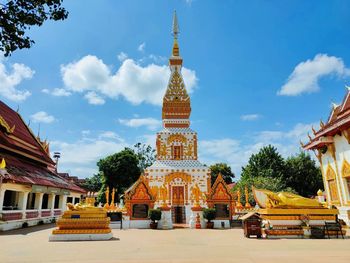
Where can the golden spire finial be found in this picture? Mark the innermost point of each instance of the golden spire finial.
(3, 164)
(175, 34)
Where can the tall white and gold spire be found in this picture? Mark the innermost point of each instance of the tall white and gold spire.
(176, 102)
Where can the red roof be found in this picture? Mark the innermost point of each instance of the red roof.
(339, 120)
(26, 172)
(21, 139)
(230, 186)
(27, 162)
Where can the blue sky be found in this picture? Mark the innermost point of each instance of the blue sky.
(259, 72)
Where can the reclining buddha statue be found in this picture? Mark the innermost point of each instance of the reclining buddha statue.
(269, 199)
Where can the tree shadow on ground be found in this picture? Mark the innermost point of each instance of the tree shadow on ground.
(27, 230)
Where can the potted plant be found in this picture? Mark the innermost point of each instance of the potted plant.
(155, 215)
(209, 214)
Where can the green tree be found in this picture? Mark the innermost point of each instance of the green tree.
(303, 175)
(145, 154)
(94, 183)
(266, 163)
(119, 170)
(225, 171)
(272, 184)
(17, 16)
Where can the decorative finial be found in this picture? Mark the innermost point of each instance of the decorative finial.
(175, 26)
(313, 130)
(334, 105)
(301, 144)
(321, 124)
(347, 87)
(3, 164)
(308, 135)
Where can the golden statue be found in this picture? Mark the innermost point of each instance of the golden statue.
(190, 150)
(269, 199)
(112, 205)
(238, 204)
(247, 205)
(162, 151)
(107, 198)
(163, 192)
(196, 195)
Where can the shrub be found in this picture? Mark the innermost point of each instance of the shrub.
(155, 214)
(209, 214)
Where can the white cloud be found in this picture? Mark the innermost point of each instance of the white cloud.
(150, 123)
(94, 98)
(250, 117)
(122, 56)
(306, 75)
(141, 47)
(111, 135)
(237, 153)
(10, 80)
(57, 92)
(132, 81)
(80, 157)
(42, 117)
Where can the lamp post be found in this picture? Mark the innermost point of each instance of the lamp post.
(56, 156)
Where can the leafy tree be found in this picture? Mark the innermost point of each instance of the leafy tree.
(119, 170)
(17, 16)
(272, 184)
(303, 175)
(145, 154)
(266, 163)
(225, 171)
(94, 183)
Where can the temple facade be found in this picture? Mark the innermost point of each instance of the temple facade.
(31, 190)
(177, 179)
(331, 144)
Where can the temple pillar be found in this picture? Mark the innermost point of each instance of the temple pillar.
(22, 202)
(165, 222)
(63, 202)
(2, 196)
(51, 203)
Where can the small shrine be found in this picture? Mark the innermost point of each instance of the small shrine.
(138, 200)
(222, 199)
(289, 215)
(83, 222)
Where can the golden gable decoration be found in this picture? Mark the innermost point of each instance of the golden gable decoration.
(345, 170)
(6, 126)
(330, 174)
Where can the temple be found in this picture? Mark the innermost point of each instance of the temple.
(177, 178)
(31, 190)
(331, 144)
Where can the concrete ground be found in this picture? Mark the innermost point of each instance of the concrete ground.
(179, 245)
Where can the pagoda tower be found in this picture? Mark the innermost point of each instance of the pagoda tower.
(177, 179)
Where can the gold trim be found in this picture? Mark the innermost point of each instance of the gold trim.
(5, 125)
(345, 170)
(24, 154)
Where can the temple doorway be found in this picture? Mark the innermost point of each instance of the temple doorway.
(178, 214)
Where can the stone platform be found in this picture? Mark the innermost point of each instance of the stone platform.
(80, 237)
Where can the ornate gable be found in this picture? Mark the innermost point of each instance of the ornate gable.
(345, 170)
(220, 190)
(330, 174)
(140, 191)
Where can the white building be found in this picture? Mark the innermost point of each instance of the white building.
(331, 144)
(177, 171)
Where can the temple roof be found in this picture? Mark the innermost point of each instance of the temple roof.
(16, 136)
(24, 171)
(338, 120)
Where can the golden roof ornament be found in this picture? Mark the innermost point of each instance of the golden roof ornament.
(319, 192)
(3, 164)
(175, 33)
(313, 130)
(321, 124)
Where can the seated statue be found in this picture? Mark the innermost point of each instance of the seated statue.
(285, 200)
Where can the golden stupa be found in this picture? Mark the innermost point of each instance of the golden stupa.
(83, 222)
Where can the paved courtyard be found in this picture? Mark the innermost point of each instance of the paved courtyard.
(179, 245)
